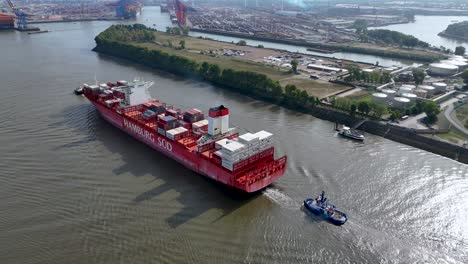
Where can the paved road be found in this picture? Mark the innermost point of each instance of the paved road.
(414, 121)
(454, 121)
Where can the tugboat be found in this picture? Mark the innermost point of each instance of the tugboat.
(321, 207)
(78, 91)
(350, 133)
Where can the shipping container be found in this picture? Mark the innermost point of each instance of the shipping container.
(220, 143)
(185, 125)
(173, 113)
(177, 133)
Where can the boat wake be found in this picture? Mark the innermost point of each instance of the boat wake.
(280, 198)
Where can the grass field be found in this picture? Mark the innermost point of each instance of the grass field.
(363, 95)
(193, 47)
(453, 137)
(462, 115)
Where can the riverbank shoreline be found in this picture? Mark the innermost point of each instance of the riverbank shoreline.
(75, 20)
(392, 54)
(397, 134)
(252, 82)
(454, 37)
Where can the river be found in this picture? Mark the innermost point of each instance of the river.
(73, 189)
(426, 29)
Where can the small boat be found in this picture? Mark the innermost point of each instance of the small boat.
(78, 91)
(350, 133)
(321, 207)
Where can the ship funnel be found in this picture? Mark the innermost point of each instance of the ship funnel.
(218, 120)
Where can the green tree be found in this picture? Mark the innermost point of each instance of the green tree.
(379, 110)
(352, 109)
(360, 25)
(260, 46)
(364, 107)
(294, 64)
(460, 50)
(182, 44)
(395, 115)
(418, 76)
(464, 76)
(241, 43)
(185, 31)
(431, 109)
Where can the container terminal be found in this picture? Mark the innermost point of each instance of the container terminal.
(68, 11)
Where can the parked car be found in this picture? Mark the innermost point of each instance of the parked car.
(315, 77)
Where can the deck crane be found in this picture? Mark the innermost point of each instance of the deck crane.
(21, 16)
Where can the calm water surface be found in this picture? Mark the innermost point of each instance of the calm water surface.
(426, 29)
(75, 190)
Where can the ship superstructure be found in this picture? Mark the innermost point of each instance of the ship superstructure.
(207, 146)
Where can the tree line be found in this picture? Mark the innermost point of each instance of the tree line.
(378, 110)
(126, 33)
(356, 74)
(391, 37)
(458, 29)
(246, 82)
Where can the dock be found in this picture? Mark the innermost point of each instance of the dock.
(38, 32)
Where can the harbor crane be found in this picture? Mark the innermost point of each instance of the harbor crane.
(21, 16)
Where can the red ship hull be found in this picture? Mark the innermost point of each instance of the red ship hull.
(252, 181)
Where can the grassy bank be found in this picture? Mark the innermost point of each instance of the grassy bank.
(195, 49)
(360, 48)
(139, 44)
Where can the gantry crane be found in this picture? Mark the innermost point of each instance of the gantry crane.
(21, 16)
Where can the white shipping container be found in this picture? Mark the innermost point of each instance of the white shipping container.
(199, 124)
(219, 154)
(232, 147)
(262, 135)
(248, 138)
(229, 167)
(220, 143)
(180, 130)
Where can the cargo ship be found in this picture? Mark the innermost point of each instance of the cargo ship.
(206, 146)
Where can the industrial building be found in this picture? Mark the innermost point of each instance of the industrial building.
(325, 68)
